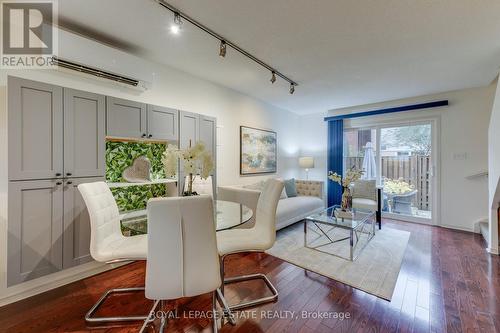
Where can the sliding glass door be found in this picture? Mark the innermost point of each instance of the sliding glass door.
(400, 158)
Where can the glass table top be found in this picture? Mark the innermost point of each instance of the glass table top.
(227, 215)
(328, 216)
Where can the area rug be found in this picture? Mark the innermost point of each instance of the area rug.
(375, 271)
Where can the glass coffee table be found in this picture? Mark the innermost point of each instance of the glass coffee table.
(326, 229)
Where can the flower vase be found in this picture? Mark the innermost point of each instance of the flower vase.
(346, 203)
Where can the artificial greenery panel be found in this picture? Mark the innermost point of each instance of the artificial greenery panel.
(136, 197)
(121, 155)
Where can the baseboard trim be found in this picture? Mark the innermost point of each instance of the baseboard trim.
(53, 281)
(493, 251)
(447, 226)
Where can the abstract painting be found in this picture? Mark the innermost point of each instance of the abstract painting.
(258, 151)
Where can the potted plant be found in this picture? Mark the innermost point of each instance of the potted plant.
(195, 161)
(352, 175)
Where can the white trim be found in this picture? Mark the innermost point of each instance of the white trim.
(492, 251)
(378, 122)
(53, 281)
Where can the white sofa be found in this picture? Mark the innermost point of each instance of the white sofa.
(309, 200)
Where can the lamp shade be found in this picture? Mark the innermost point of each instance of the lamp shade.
(306, 162)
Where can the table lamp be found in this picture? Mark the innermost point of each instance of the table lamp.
(306, 163)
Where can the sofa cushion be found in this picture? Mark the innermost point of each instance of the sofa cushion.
(291, 189)
(291, 208)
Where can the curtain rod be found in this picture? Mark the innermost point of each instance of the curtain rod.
(389, 110)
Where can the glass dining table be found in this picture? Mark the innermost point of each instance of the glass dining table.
(227, 215)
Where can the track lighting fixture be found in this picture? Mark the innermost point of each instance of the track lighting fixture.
(175, 28)
(273, 77)
(222, 49)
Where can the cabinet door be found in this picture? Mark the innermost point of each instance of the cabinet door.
(125, 118)
(163, 123)
(84, 142)
(35, 229)
(207, 135)
(189, 127)
(35, 130)
(76, 222)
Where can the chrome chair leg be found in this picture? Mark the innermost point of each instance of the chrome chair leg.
(90, 319)
(214, 312)
(249, 277)
(151, 317)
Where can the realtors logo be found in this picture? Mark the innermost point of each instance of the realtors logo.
(28, 34)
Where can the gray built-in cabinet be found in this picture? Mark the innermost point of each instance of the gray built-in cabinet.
(57, 141)
(129, 119)
(195, 127)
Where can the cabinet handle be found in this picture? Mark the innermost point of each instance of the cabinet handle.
(58, 174)
(68, 173)
(69, 183)
(143, 135)
(150, 135)
(58, 183)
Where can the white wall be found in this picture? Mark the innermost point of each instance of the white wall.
(167, 87)
(494, 171)
(313, 140)
(464, 128)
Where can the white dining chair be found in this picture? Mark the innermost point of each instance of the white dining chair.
(259, 238)
(200, 185)
(182, 252)
(107, 243)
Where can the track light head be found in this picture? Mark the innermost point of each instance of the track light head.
(292, 88)
(222, 49)
(175, 28)
(273, 77)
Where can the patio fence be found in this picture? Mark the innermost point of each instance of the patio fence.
(413, 169)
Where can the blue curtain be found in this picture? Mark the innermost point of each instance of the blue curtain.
(335, 158)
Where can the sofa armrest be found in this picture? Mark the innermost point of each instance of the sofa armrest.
(240, 195)
(312, 188)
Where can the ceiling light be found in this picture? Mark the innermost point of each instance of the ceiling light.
(222, 49)
(273, 77)
(175, 28)
(292, 88)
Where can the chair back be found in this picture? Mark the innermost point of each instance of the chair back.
(265, 217)
(364, 189)
(182, 249)
(200, 185)
(104, 217)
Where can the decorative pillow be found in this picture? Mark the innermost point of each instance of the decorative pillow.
(291, 189)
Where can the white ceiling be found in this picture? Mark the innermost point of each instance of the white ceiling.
(341, 52)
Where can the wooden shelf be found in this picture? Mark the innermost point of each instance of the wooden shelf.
(153, 182)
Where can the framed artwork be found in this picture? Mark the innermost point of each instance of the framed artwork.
(258, 151)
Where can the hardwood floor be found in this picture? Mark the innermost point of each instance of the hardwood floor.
(447, 283)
